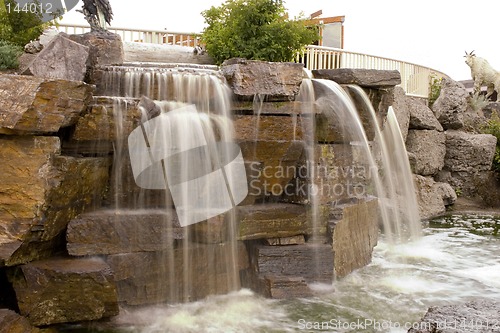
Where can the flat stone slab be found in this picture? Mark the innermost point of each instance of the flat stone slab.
(277, 81)
(272, 221)
(63, 290)
(373, 78)
(472, 317)
(312, 262)
(122, 231)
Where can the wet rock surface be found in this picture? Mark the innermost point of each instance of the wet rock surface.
(11, 322)
(122, 231)
(354, 236)
(62, 290)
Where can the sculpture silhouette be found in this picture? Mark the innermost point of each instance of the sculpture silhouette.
(98, 14)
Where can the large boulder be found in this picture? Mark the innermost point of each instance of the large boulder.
(450, 106)
(40, 192)
(428, 149)
(466, 152)
(421, 117)
(31, 104)
(472, 317)
(62, 59)
(61, 290)
(276, 80)
(432, 196)
(468, 163)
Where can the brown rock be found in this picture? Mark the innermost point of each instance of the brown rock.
(62, 59)
(276, 286)
(267, 108)
(361, 77)
(354, 236)
(11, 322)
(312, 262)
(104, 48)
(294, 240)
(122, 231)
(33, 104)
(65, 290)
(278, 165)
(267, 128)
(277, 81)
(40, 192)
(272, 221)
(101, 122)
(152, 277)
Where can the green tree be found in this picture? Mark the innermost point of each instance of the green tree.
(254, 29)
(19, 27)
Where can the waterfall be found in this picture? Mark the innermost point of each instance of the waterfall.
(182, 149)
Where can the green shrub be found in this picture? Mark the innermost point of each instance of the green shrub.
(434, 88)
(254, 29)
(19, 27)
(8, 55)
(493, 127)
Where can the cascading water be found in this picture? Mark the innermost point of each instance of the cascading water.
(397, 193)
(182, 149)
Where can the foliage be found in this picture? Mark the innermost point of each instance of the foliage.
(254, 29)
(478, 101)
(18, 27)
(435, 85)
(8, 55)
(493, 127)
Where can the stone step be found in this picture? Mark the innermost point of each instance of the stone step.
(122, 231)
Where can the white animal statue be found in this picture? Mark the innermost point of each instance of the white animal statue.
(483, 74)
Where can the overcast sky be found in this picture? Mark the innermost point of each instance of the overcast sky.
(433, 33)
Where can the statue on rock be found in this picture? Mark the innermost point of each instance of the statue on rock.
(98, 13)
(483, 74)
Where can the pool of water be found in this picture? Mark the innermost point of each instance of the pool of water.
(456, 260)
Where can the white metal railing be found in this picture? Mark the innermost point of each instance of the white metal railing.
(414, 78)
(141, 35)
